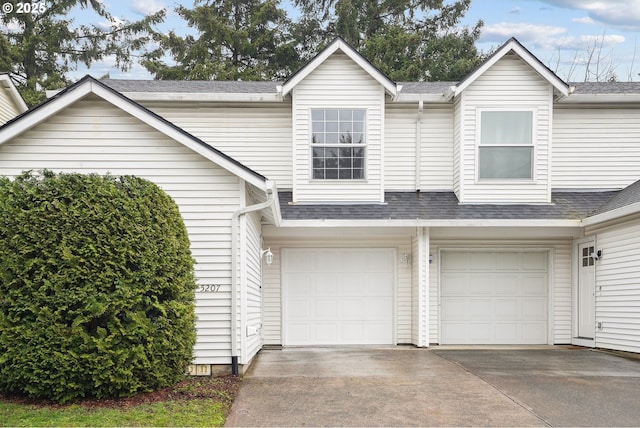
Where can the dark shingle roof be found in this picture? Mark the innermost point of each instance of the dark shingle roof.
(269, 87)
(627, 196)
(596, 88)
(425, 87)
(445, 206)
(191, 86)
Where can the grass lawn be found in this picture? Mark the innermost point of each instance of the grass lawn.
(193, 402)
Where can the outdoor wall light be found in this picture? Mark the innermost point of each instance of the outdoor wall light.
(268, 256)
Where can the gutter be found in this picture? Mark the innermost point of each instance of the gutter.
(235, 225)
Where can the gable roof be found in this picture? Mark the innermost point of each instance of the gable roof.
(513, 45)
(340, 45)
(88, 85)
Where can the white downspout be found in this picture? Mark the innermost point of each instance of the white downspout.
(418, 144)
(235, 223)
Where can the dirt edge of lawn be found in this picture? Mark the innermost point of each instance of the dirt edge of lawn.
(223, 389)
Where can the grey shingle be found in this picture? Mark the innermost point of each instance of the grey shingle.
(596, 88)
(269, 87)
(445, 206)
(191, 86)
(627, 196)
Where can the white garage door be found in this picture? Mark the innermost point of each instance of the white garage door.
(337, 296)
(494, 297)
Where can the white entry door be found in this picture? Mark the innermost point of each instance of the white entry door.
(494, 297)
(338, 296)
(586, 292)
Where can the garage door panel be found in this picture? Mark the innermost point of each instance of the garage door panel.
(343, 297)
(506, 261)
(506, 284)
(535, 261)
(457, 284)
(504, 301)
(506, 333)
(531, 285)
(533, 309)
(506, 309)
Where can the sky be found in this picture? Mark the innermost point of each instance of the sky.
(563, 34)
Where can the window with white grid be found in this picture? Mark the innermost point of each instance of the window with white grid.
(338, 143)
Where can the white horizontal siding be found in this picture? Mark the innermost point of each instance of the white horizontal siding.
(92, 136)
(595, 147)
(338, 83)
(257, 135)
(617, 288)
(560, 279)
(510, 84)
(272, 287)
(436, 148)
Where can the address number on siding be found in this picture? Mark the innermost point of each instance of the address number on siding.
(208, 288)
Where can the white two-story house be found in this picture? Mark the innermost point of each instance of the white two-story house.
(342, 208)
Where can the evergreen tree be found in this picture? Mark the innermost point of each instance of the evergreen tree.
(406, 39)
(40, 47)
(236, 40)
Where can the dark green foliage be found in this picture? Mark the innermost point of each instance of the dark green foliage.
(41, 47)
(236, 40)
(96, 287)
(408, 40)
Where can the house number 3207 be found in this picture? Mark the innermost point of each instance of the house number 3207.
(209, 288)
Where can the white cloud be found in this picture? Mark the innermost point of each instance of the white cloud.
(583, 20)
(12, 26)
(619, 13)
(147, 7)
(109, 25)
(528, 34)
(515, 11)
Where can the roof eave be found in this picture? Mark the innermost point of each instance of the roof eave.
(501, 223)
(612, 215)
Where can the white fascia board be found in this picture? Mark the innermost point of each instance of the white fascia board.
(431, 223)
(43, 113)
(612, 215)
(17, 99)
(426, 98)
(176, 135)
(526, 56)
(389, 86)
(203, 97)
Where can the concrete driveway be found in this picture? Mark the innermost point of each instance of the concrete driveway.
(546, 386)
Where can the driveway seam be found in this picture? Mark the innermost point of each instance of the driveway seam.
(515, 400)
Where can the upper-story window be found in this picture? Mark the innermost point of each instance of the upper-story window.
(338, 143)
(506, 145)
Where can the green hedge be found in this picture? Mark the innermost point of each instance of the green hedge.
(96, 287)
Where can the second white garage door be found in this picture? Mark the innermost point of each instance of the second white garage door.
(338, 296)
(494, 297)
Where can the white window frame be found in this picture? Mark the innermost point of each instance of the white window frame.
(324, 145)
(533, 145)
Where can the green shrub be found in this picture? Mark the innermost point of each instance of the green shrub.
(96, 287)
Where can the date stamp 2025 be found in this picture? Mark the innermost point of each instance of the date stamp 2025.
(23, 7)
